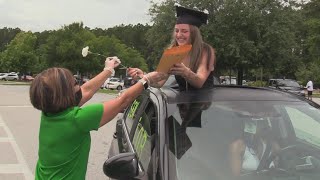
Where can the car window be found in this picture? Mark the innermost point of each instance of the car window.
(144, 134)
(306, 127)
(204, 137)
(133, 110)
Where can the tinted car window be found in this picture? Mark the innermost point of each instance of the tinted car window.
(142, 141)
(143, 137)
(305, 121)
(132, 111)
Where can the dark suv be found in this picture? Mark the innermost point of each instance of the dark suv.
(287, 85)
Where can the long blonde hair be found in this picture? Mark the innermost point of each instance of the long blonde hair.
(198, 46)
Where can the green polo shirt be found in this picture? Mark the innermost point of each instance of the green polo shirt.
(64, 142)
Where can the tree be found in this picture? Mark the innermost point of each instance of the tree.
(6, 35)
(63, 48)
(20, 55)
(310, 43)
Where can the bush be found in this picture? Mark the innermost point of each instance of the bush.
(257, 83)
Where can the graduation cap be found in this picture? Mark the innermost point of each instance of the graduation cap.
(190, 16)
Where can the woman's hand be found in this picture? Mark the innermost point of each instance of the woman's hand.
(135, 73)
(112, 62)
(179, 69)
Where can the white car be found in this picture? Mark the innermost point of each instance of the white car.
(114, 83)
(9, 77)
(3, 76)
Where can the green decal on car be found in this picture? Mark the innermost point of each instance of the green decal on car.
(133, 108)
(140, 139)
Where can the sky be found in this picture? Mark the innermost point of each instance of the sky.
(40, 15)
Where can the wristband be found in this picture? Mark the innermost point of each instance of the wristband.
(148, 80)
(144, 83)
(109, 69)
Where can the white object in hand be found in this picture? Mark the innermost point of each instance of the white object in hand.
(116, 59)
(85, 51)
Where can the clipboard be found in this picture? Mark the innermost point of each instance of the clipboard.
(172, 56)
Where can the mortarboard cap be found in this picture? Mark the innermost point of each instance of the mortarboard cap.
(190, 16)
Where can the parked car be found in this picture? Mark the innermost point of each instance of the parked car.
(128, 81)
(170, 135)
(27, 78)
(287, 85)
(113, 83)
(3, 75)
(227, 81)
(9, 77)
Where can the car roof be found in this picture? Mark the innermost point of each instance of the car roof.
(228, 93)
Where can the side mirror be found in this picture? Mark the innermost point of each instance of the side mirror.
(121, 166)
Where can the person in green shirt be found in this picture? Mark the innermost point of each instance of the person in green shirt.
(64, 136)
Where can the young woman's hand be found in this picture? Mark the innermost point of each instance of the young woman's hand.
(179, 69)
(135, 73)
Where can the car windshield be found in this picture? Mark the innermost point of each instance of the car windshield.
(288, 83)
(220, 140)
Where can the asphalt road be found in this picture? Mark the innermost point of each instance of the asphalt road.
(19, 127)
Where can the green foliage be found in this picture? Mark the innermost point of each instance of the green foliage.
(20, 55)
(63, 48)
(312, 29)
(257, 83)
(6, 35)
(309, 72)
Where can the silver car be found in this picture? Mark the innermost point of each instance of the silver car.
(9, 77)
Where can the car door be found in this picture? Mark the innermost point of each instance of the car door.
(136, 132)
(124, 125)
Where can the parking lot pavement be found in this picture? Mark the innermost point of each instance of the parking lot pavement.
(12, 163)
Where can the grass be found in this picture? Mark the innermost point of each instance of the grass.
(108, 91)
(316, 95)
(15, 83)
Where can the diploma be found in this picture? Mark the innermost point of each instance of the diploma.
(172, 56)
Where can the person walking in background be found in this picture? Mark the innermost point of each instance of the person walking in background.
(309, 87)
(196, 70)
(64, 136)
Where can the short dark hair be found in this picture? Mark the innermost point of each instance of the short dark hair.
(52, 90)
